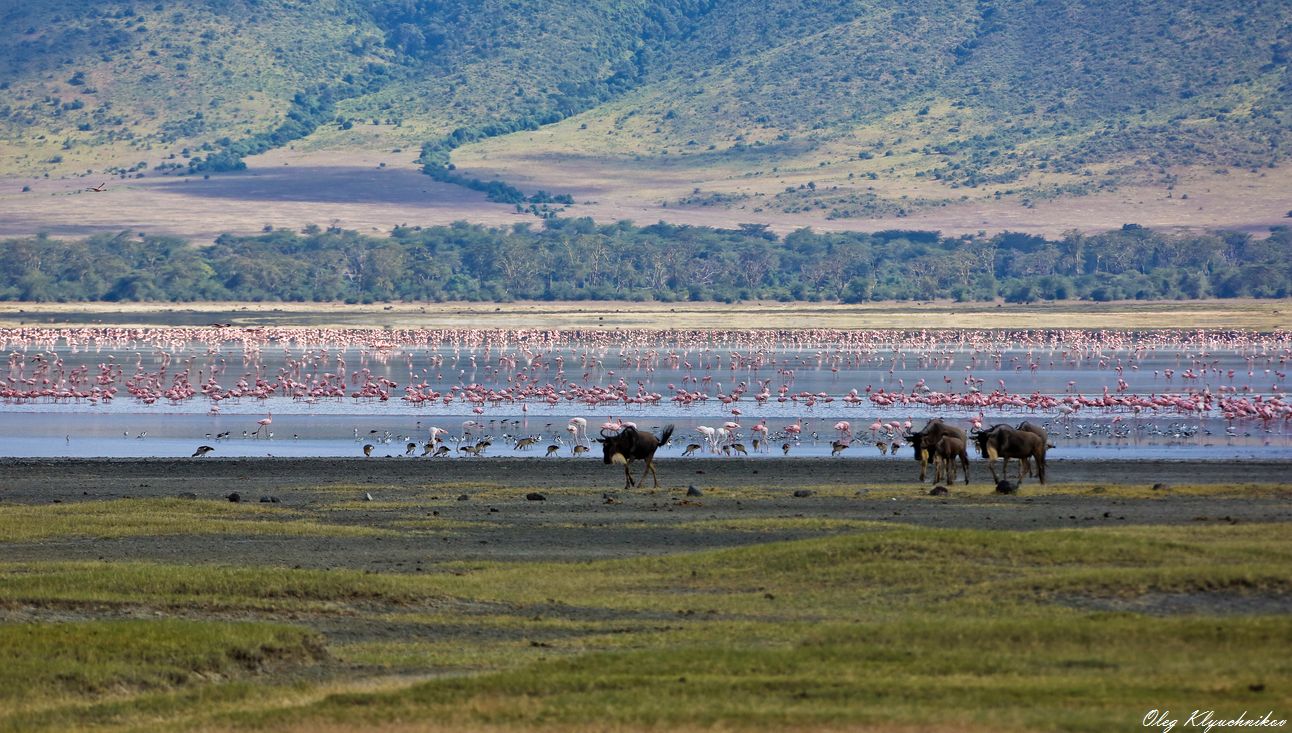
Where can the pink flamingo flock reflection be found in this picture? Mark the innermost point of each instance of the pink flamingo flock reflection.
(1235, 375)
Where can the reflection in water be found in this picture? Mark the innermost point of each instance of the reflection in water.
(164, 391)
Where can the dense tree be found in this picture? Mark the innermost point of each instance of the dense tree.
(578, 259)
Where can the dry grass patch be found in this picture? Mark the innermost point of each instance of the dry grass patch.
(163, 517)
(1259, 315)
(893, 626)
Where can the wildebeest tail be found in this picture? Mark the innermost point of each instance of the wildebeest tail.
(664, 436)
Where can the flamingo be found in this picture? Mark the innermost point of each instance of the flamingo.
(796, 428)
(264, 423)
(578, 425)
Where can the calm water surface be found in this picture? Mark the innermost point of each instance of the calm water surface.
(504, 386)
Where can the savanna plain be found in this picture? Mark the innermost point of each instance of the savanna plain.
(539, 594)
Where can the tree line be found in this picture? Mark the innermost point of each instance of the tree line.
(578, 259)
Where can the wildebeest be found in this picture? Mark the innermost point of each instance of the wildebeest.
(631, 444)
(1032, 428)
(926, 439)
(1004, 442)
(946, 451)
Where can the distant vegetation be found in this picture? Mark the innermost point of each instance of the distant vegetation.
(1033, 98)
(576, 259)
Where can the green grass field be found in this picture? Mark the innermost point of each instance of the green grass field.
(869, 626)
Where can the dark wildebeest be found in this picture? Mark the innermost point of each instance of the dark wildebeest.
(1026, 468)
(631, 444)
(944, 459)
(926, 439)
(1002, 441)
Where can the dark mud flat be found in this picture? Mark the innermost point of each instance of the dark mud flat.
(586, 514)
(36, 480)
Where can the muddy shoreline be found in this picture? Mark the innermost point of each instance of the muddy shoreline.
(46, 479)
(437, 513)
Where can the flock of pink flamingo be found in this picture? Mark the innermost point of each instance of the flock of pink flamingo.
(478, 369)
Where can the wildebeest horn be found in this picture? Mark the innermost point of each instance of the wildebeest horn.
(607, 432)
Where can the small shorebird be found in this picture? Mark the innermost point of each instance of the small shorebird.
(201, 451)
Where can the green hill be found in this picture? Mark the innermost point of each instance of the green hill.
(885, 106)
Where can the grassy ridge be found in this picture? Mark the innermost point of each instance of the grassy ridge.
(892, 626)
(91, 658)
(949, 97)
(161, 517)
(121, 89)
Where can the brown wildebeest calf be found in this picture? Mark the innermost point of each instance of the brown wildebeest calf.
(944, 459)
(1033, 428)
(925, 440)
(1004, 442)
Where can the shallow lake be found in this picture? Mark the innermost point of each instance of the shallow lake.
(99, 392)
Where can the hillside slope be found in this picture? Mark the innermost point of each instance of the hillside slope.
(807, 111)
